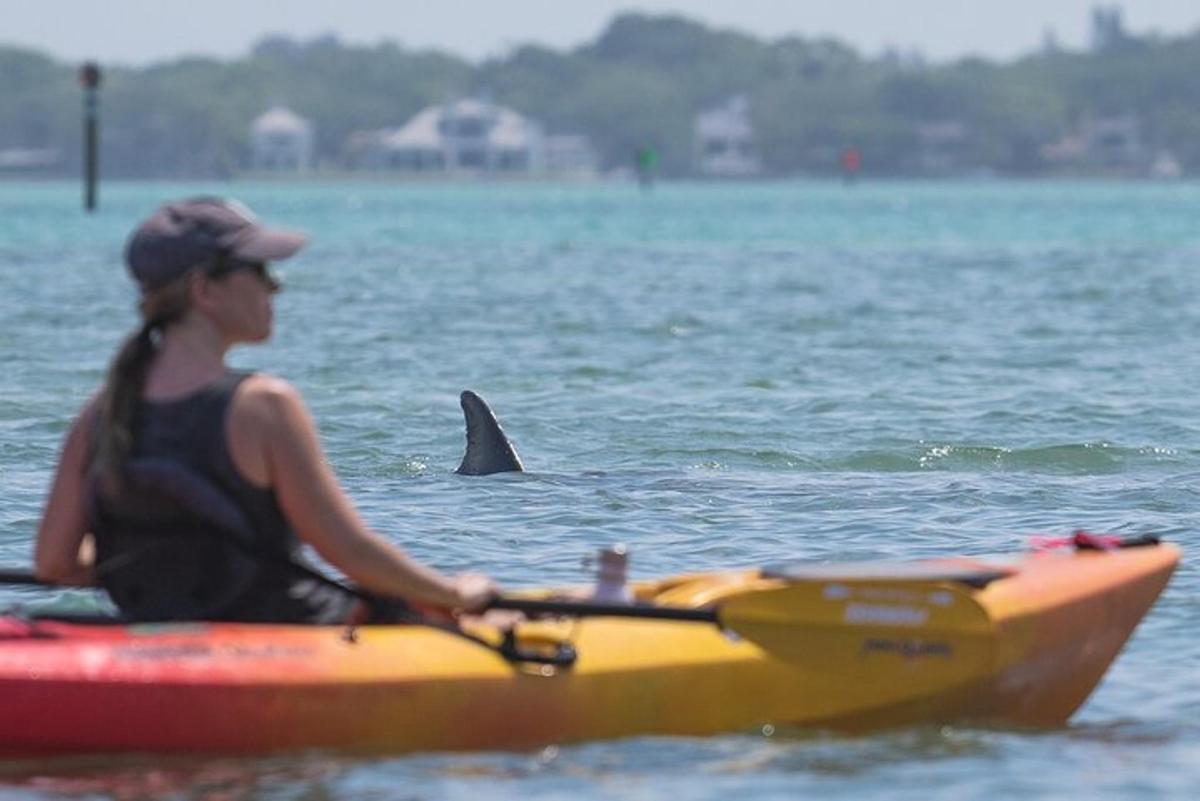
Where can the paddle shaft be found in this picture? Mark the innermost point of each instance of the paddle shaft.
(597, 609)
(528, 606)
(22, 577)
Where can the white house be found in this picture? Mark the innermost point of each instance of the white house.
(281, 141)
(725, 146)
(464, 136)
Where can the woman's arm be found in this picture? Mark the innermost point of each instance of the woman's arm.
(64, 552)
(274, 442)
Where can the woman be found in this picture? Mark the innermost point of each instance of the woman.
(201, 266)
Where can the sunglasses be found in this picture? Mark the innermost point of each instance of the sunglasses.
(225, 266)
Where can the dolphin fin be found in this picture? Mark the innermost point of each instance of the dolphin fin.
(488, 450)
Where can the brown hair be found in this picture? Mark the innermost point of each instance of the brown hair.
(118, 401)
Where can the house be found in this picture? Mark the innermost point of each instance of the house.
(463, 136)
(281, 141)
(1115, 142)
(24, 160)
(724, 141)
(1107, 145)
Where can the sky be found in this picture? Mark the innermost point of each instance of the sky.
(138, 32)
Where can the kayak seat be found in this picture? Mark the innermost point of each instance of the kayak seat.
(172, 545)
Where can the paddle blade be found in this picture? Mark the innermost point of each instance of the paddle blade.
(835, 623)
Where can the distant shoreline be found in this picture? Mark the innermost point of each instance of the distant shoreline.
(377, 179)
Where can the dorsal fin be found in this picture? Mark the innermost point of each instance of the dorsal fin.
(488, 449)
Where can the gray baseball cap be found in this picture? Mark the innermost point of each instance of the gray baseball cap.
(189, 233)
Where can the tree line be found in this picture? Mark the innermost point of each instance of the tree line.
(639, 84)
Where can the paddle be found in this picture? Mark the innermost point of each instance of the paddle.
(806, 619)
(774, 598)
(20, 577)
(790, 617)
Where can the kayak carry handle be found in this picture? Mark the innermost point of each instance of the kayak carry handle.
(1087, 541)
(563, 654)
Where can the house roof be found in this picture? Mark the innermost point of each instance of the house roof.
(280, 119)
(420, 132)
(509, 130)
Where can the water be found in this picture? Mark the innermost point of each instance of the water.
(717, 376)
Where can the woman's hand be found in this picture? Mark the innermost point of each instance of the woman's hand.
(474, 590)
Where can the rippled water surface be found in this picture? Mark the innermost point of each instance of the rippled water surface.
(718, 376)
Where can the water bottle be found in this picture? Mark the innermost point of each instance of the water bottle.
(612, 566)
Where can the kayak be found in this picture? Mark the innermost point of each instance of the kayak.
(1014, 641)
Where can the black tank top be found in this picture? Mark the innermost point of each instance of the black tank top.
(192, 431)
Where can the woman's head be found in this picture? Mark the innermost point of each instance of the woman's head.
(212, 254)
(203, 256)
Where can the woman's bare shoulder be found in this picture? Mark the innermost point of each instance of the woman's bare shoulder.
(267, 398)
(266, 385)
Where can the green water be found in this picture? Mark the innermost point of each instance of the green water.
(717, 376)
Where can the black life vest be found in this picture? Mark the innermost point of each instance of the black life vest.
(172, 546)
